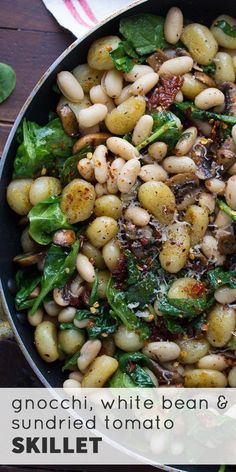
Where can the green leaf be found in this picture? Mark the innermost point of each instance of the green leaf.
(7, 81)
(191, 110)
(45, 218)
(145, 32)
(100, 323)
(65, 326)
(69, 169)
(222, 468)
(121, 380)
(71, 362)
(27, 280)
(228, 29)
(218, 278)
(125, 57)
(94, 292)
(133, 272)
(117, 302)
(164, 127)
(191, 306)
(58, 268)
(209, 68)
(144, 290)
(224, 207)
(129, 363)
(40, 147)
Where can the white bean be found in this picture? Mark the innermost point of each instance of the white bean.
(85, 168)
(225, 295)
(153, 172)
(122, 148)
(230, 192)
(137, 215)
(164, 351)
(97, 95)
(223, 221)
(93, 115)
(186, 142)
(88, 353)
(144, 84)
(125, 94)
(179, 97)
(51, 308)
(85, 268)
(213, 361)
(111, 254)
(178, 165)
(36, 318)
(234, 134)
(113, 82)
(127, 340)
(101, 189)
(76, 375)
(206, 200)
(232, 377)
(209, 248)
(70, 87)
(177, 66)
(70, 384)
(215, 186)
(137, 72)
(143, 129)
(128, 175)
(67, 315)
(211, 97)
(158, 150)
(173, 26)
(114, 170)
(100, 164)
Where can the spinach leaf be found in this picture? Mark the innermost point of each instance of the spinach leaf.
(121, 380)
(209, 68)
(164, 127)
(218, 277)
(133, 272)
(68, 169)
(40, 146)
(7, 81)
(58, 268)
(145, 32)
(143, 291)
(191, 306)
(121, 311)
(71, 362)
(191, 110)
(94, 292)
(129, 363)
(125, 57)
(100, 323)
(228, 29)
(26, 280)
(224, 207)
(45, 218)
(65, 326)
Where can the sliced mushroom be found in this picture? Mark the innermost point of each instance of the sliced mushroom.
(68, 119)
(227, 244)
(169, 376)
(64, 237)
(205, 79)
(73, 291)
(229, 90)
(226, 155)
(157, 59)
(202, 155)
(28, 259)
(186, 189)
(90, 140)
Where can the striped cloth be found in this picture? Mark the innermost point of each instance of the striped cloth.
(78, 16)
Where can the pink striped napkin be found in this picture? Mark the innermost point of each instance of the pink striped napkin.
(78, 16)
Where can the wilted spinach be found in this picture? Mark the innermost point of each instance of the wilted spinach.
(132, 269)
(58, 268)
(219, 277)
(121, 380)
(27, 280)
(228, 29)
(45, 218)
(7, 81)
(71, 362)
(39, 148)
(144, 290)
(94, 292)
(145, 32)
(192, 111)
(66, 326)
(165, 128)
(125, 57)
(69, 169)
(129, 363)
(100, 323)
(121, 311)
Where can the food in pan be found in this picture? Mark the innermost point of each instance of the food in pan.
(127, 201)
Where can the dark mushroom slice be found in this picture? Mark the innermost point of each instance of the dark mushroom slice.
(203, 156)
(64, 237)
(227, 244)
(185, 188)
(93, 139)
(157, 59)
(168, 376)
(68, 119)
(229, 89)
(205, 79)
(28, 259)
(226, 155)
